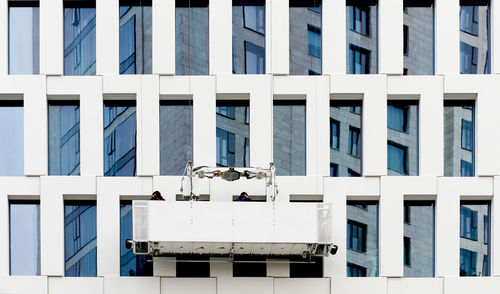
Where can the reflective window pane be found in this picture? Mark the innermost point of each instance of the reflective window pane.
(24, 222)
(362, 238)
(475, 57)
(289, 137)
(191, 37)
(135, 37)
(119, 138)
(64, 138)
(249, 40)
(474, 238)
(12, 142)
(418, 239)
(80, 239)
(79, 38)
(402, 138)
(305, 37)
(418, 32)
(131, 264)
(361, 37)
(345, 138)
(459, 134)
(176, 136)
(233, 133)
(24, 28)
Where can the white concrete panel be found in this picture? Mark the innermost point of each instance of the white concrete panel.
(359, 285)
(132, 285)
(219, 267)
(220, 36)
(163, 37)
(415, 286)
(280, 24)
(4, 37)
(118, 86)
(189, 285)
(58, 285)
(288, 185)
(278, 268)
(390, 36)
(164, 267)
(463, 285)
(107, 37)
(23, 285)
(204, 124)
(334, 37)
(296, 286)
(51, 37)
(244, 285)
(447, 36)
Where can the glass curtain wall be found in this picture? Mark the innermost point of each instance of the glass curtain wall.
(12, 138)
(459, 138)
(24, 37)
(475, 37)
(475, 236)
(362, 34)
(233, 133)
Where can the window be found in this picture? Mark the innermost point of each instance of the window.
(355, 109)
(405, 40)
(407, 214)
(254, 59)
(468, 59)
(359, 60)
(468, 223)
(64, 138)
(24, 237)
(127, 47)
(23, 37)
(306, 270)
(468, 262)
(467, 135)
(233, 133)
(469, 19)
(356, 236)
(475, 216)
(486, 265)
(334, 170)
(334, 134)
(486, 229)
(354, 146)
(359, 16)
(314, 40)
(397, 158)
(354, 270)
(407, 251)
(249, 266)
(227, 111)
(12, 138)
(80, 239)
(225, 148)
(397, 117)
(187, 267)
(254, 17)
(466, 169)
(247, 152)
(352, 173)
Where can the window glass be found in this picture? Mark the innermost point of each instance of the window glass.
(191, 37)
(459, 120)
(397, 158)
(249, 40)
(362, 238)
(12, 138)
(345, 138)
(233, 134)
(289, 137)
(474, 236)
(361, 36)
(24, 48)
(418, 33)
(119, 138)
(64, 138)
(305, 37)
(334, 170)
(474, 37)
(79, 38)
(176, 136)
(80, 239)
(24, 237)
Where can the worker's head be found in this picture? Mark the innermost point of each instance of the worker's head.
(157, 196)
(244, 194)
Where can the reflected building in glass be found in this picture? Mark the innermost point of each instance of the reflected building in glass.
(120, 138)
(233, 133)
(191, 37)
(79, 38)
(459, 143)
(12, 134)
(24, 37)
(305, 37)
(475, 238)
(361, 27)
(402, 138)
(345, 138)
(135, 37)
(475, 37)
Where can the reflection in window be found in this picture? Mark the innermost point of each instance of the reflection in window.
(418, 239)
(24, 237)
(233, 133)
(24, 37)
(334, 134)
(176, 136)
(131, 264)
(334, 170)
(12, 134)
(119, 138)
(397, 117)
(474, 37)
(361, 34)
(474, 248)
(397, 158)
(135, 37)
(459, 120)
(191, 37)
(289, 137)
(305, 37)
(354, 145)
(64, 138)
(79, 38)
(418, 36)
(362, 238)
(80, 239)
(249, 40)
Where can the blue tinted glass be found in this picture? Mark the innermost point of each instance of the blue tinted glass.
(135, 32)
(233, 133)
(23, 39)
(12, 142)
(474, 37)
(361, 32)
(314, 41)
(64, 138)
(396, 158)
(24, 220)
(254, 59)
(396, 118)
(119, 139)
(459, 120)
(79, 41)
(418, 37)
(80, 239)
(474, 236)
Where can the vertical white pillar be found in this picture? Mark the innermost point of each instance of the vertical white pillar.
(35, 127)
(322, 88)
(447, 36)
(261, 122)
(390, 36)
(51, 37)
(487, 123)
(334, 37)
(4, 234)
(280, 50)
(220, 36)
(107, 37)
(204, 124)
(4, 37)
(164, 37)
